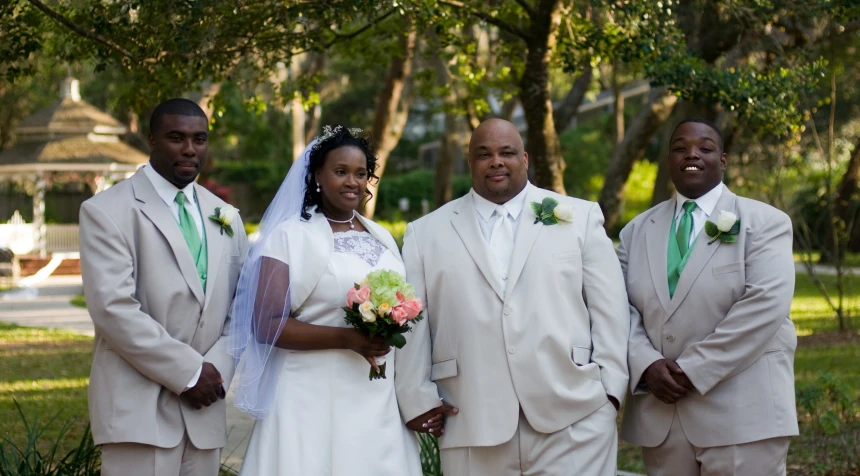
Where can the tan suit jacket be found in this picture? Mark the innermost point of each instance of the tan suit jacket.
(727, 326)
(154, 323)
(554, 343)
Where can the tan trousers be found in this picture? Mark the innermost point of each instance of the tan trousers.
(589, 447)
(678, 457)
(135, 459)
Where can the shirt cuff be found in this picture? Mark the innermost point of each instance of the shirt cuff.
(194, 379)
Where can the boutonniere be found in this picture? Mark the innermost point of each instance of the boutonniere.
(726, 228)
(550, 212)
(225, 217)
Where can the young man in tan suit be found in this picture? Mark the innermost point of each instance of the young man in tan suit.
(711, 343)
(526, 325)
(159, 278)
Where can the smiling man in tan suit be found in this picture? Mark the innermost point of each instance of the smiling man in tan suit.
(711, 343)
(159, 278)
(526, 325)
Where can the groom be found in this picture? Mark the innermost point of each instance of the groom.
(526, 329)
(159, 278)
(711, 342)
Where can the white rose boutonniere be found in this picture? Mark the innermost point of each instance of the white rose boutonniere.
(550, 212)
(725, 229)
(225, 216)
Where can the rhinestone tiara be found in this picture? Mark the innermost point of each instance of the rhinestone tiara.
(328, 132)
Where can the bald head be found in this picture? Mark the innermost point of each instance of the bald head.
(498, 161)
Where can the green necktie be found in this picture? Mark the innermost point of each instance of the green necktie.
(679, 248)
(192, 237)
(685, 227)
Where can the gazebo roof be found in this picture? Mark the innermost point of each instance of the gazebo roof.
(72, 135)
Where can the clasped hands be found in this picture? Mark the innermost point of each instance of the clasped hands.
(667, 381)
(432, 422)
(208, 390)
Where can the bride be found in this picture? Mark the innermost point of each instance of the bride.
(302, 372)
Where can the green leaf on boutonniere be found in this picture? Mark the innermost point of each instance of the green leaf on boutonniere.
(544, 211)
(711, 229)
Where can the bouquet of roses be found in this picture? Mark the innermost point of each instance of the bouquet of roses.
(383, 305)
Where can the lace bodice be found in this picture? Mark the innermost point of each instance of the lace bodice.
(360, 244)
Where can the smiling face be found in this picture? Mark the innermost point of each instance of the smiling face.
(696, 159)
(497, 160)
(342, 180)
(179, 148)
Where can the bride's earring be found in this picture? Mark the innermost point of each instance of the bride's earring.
(318, 188)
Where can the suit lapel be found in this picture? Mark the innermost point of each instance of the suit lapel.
(656, 246)
(525, 237)
(700, 255)
(215, 240)
(465, 223)
(156, 210)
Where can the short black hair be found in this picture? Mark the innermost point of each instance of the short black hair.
(174, 107)
(699, 120)
(342, 137)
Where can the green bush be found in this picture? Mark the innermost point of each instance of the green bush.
(830, 430)
(415, 186)
(34, 459)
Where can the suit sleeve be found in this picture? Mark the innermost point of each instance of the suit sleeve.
(217, 355)
(742, 337)
(107, 267)
(606, 299)
(640, 352)
(416, 393)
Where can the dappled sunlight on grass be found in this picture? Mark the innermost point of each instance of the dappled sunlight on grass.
(810, 311)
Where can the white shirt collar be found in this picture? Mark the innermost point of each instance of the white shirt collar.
(706, 202)
(514, 206)
(166, 190)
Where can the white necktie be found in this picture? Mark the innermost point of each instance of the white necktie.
(502, 239)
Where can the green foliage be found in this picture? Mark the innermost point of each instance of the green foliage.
(637, 191)
(587, 151)
(415, 186)
(429, 447)
(828, 409)
(32, 460)
(22, 27)
(544, 211)
(79, 301)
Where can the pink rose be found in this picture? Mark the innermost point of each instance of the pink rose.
(357, 296)
(413, 307)
(399, 315)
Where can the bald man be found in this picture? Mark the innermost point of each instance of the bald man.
(523, 352)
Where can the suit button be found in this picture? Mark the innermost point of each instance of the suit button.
(508, 312)
(671, 338)
(511, 350)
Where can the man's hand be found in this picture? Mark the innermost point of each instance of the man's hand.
(661, 380)
(680, 377)
(208, 389)
(433, 421)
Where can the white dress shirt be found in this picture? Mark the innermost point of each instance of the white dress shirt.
(704, 209)
(487, 219)
(167, 191)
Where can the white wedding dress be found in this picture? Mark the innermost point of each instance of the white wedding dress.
(328, 418)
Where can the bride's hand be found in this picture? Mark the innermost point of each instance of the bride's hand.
(365, 346)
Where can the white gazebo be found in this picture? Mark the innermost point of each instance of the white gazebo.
(71, 141)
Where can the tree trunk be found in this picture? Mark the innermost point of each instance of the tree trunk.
(442, 186)
(390, 116)
(569, 106)
(846, 206)
(543, 145)
(617, 108)
(632, 147)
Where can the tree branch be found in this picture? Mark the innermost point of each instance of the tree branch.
(502, 25)
(80, 31)
(569, 106)
(342, 37)
(528, 8)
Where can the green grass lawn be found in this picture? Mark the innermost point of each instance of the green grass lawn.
(852, 260)
(46, 371)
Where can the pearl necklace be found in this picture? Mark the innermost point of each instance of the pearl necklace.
(351, 224)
